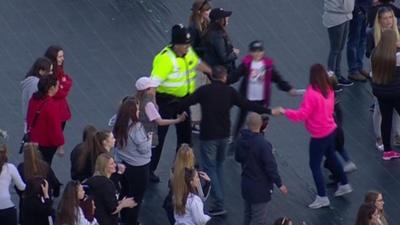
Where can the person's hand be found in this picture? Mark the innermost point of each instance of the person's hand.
(128, 202)
(277, 111)
(294, 92)
(236, 51)
(60, 151)
(204, 176)
(181, 117)
(121, 168)
(45, 188)
(283, 189)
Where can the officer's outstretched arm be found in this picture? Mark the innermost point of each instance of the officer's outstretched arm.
(204, 68)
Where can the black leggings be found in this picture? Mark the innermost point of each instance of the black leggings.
(48, 153)
(8, 216)
(386, 105)
(134, 183)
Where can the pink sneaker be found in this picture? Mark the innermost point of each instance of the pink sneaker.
(391, 155)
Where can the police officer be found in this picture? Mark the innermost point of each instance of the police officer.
(174, 70)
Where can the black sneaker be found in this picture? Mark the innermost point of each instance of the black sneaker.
(154, 178)
(217, 212)
(344, 82)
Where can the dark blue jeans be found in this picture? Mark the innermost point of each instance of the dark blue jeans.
(212, 157)
(320, 147)
(356, 42)
(337, 39)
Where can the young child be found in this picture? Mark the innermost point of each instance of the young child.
(258, 71)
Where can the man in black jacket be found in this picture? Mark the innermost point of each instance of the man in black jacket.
(259, 171)
(216, 100)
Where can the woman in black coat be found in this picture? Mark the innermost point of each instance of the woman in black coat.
(218, 49)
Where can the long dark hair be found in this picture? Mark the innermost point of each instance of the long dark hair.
(126, 119)
(383, 61)
(319, 79)
(34, 165)
(365, 213)
(87, 146)
(67, 211)
(3, 157)
(34, 187)
(52, 53)
(98, 147)
(198, 8)
(44, 85)
(41, 63)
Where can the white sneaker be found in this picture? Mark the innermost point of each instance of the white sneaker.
(349, 167)
(319, 202)
(343, 189)
(379, 146)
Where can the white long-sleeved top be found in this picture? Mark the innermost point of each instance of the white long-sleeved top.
(9, 173)
(194, 212)
(83, 221)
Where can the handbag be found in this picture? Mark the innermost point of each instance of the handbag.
(27, 137)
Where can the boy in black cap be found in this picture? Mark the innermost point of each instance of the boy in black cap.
(258, 71)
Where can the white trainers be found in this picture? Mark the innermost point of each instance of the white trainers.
(379, 146)
(349, 167)
(319, 202)
(343, 189)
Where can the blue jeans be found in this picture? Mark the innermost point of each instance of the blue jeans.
(212, 157)
(356, 42)
(337, 39)
(320, 147)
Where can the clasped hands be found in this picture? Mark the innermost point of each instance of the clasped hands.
(277, 111)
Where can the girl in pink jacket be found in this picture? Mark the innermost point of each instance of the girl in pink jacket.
(316, 111)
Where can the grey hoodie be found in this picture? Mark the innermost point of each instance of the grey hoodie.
(137, 151)
(337, 12)
(29, 86)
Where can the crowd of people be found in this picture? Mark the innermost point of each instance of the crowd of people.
(189, 87)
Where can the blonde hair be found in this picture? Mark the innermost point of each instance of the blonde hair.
(377, 25)
(184, 160)
(101, 164)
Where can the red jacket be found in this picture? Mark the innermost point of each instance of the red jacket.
(47, 131)
(65, 82)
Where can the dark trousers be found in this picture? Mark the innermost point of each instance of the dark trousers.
(320, 147)
(8, 216)
(134, 183)
(356, 41)
(48, 153)
(242, 117)
(337, 40)
(386, 105)
(168, 109)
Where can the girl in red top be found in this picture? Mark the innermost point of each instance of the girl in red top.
(46, 128)
(56, 55)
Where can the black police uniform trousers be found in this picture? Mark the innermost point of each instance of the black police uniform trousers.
(168, 107)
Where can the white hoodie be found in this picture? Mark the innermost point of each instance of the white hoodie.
(29, 86)
(337, 12)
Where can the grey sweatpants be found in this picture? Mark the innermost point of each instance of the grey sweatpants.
(255, 214)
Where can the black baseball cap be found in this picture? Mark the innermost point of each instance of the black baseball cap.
(219, 13)
(255, 46)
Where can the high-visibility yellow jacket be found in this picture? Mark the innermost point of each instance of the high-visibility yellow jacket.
(176, 75)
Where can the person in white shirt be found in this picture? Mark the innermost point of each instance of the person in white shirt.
(188, 206)
(8, 174)
(69, 211)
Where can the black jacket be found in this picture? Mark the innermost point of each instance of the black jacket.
(391, 90)
(105, 197)
(34, 211)
(86, 171)
(197, 36)
(216, 100)
(218, 49)
(259, 168)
